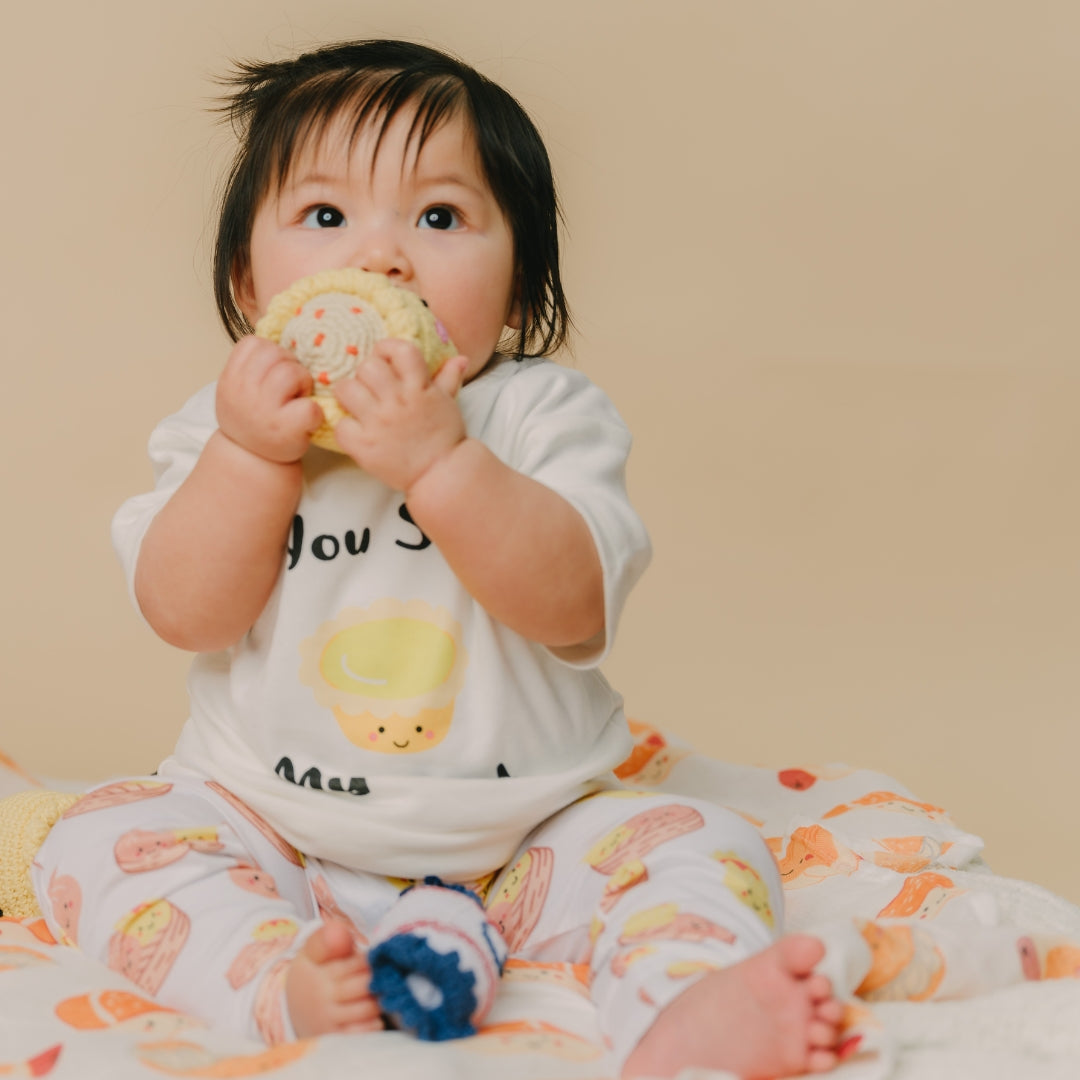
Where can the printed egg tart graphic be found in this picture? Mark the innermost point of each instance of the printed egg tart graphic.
(331, 321)
(390, 673)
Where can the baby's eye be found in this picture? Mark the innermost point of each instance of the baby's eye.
(438, 217)
(324, 217)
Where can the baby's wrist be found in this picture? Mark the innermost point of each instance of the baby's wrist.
(445, 471)
(249, 465)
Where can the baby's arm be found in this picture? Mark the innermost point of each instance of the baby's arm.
(211, 556)
(519, 548)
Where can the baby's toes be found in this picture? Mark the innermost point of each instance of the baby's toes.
(821, 1035)
(353, 988)
(830, 1010)
(820, 1061)
(360, 1015)
(818, 988)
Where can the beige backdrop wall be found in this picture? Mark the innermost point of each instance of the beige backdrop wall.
(823, 255)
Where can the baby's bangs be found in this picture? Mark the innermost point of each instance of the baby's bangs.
(361, 100)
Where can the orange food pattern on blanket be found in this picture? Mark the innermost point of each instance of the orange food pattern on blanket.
(39, 1065)
(177, 1057)
(889, 800)
(909, 854)
(813, 854)
(25, 931)
(922, 896)
(17, 769)
(906, 964)
(652, 759)
(120, 1010)
(14, 957)
(1049, 958)
(532, 1036)
(802, 778)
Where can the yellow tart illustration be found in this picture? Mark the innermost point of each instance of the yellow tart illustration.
(390, 673)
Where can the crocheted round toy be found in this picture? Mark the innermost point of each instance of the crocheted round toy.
(331, 320)
(25, 821)
(435, 961)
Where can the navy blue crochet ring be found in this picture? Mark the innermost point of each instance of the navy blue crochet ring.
(436, 961)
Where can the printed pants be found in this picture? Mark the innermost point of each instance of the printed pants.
(185, 890)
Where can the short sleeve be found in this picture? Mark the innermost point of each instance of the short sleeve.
(569, 436)
(174, 447)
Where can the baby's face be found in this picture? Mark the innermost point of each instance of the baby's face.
(425, 219)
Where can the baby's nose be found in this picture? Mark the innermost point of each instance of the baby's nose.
(380, 252)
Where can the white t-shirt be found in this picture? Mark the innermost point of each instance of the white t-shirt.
(375, 714)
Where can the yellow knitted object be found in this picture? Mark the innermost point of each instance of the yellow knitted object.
(25, 821)
(331, 320)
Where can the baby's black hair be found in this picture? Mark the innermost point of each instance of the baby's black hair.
(278, 107)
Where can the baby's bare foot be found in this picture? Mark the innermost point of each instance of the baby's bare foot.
(766, 1017)
(327, 987)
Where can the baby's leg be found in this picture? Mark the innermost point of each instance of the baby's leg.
(686, 902)
(183, 889)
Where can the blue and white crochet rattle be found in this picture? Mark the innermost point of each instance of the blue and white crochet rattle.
(436, 961)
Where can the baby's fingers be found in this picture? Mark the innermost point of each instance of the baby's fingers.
(451, 375)
(303, 415)
(287, 379)
(405, 362)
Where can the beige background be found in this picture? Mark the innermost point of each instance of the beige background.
(823, 255)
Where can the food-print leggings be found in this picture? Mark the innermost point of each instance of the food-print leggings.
(183, 889)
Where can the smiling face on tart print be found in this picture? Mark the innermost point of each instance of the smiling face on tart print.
(253, 879)
(665, 922)
(746, 884)
(267, 940)
(65, 896)
(389, 673)
(140, 850)
(147, 942)
(638, 835)
(515, 904)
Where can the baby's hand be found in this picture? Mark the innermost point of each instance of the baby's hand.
(401, 420)
(263, 403)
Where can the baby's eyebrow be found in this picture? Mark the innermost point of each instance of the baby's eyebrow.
(451, 180)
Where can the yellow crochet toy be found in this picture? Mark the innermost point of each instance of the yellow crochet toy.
(25, 821)
(331, 320)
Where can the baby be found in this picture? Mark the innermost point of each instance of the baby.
(398, 646)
